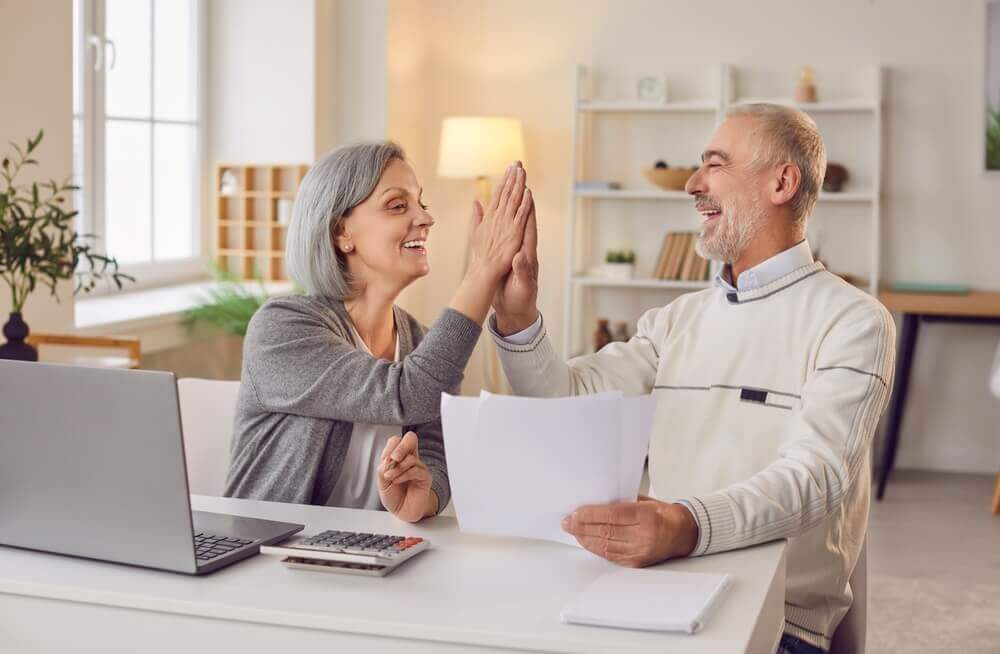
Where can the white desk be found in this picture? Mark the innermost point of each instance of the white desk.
(468, 593)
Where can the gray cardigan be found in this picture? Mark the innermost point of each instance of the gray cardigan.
(305, 382)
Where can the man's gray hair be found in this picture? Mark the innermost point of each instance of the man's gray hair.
(785, 134)
(340, 181)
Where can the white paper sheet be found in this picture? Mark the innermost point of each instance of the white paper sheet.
(519, 465)
(655, 600)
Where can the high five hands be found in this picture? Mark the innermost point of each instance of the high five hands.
(497, 238)
(515, 300)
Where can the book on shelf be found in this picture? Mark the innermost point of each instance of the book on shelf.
(662, 256)
(661, 259)
(669, 253)
(673, 269)
(678, 260)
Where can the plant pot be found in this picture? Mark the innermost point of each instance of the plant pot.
(16, 330)
(619, 271)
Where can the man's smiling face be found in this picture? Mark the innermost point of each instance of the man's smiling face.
(728, 192)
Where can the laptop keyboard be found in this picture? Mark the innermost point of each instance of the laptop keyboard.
(210, 546)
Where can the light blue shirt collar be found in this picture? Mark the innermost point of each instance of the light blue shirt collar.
(773, 269)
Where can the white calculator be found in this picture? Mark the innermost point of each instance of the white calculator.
(348, 552)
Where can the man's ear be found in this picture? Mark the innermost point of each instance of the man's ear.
(786, 182)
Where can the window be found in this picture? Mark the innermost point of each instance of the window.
(138, 133)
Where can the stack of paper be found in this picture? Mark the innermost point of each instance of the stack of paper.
(519, 465)
(654, 600)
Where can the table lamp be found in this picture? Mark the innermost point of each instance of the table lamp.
(476, 147)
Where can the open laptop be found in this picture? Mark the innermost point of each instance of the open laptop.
(92, 465)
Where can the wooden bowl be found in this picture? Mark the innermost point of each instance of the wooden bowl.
(669, 179)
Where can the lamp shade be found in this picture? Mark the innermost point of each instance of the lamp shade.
(478, 146)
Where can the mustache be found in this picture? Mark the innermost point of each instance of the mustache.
(707, 203)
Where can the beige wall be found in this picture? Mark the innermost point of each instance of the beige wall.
(290, 80)
(37, 81)
(350, 72)
(261, 63)
(518, 57)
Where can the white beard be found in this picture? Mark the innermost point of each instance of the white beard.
(732, 232)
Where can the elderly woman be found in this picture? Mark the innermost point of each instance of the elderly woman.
(339, 403)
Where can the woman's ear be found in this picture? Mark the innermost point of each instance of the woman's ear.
(342, 241)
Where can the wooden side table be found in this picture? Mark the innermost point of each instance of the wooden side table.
(130, 348)
(978, 307)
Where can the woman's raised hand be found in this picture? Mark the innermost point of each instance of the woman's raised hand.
(497, 236)
(498, 231)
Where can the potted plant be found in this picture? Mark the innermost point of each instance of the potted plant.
(229, 305)
(619, 264)
(38, 245)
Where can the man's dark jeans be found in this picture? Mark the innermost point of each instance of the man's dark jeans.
(792, 645)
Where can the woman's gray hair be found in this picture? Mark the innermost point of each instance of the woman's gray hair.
(340, 181)
(785, 134)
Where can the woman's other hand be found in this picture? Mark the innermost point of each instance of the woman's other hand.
(404, 482)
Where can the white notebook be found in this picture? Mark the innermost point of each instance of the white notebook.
(652, 600)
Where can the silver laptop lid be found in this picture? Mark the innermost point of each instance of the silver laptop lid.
(92, 464)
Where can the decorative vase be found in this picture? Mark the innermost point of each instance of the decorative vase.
(805, 90)
(602, 336)
(835, 177)
(16, 330)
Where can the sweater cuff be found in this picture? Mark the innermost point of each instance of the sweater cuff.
(716, 525)
(440, 486)
(523, 337)
(518, 342)
(459, 333)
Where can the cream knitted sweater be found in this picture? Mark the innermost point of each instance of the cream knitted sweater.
(767, 401)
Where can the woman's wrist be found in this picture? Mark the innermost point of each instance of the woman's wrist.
(432, 504)
(474, 294)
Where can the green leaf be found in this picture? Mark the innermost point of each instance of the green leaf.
(38, 243)
(32, 144)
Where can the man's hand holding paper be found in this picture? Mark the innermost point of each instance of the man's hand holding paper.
(634, 534)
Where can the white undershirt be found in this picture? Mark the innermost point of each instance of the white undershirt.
(357, 486)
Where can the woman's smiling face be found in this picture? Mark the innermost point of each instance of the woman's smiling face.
(384, 239)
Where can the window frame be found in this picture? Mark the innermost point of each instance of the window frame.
(92, 49)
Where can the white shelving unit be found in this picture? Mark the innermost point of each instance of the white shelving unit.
(614, 139)
(692, 106)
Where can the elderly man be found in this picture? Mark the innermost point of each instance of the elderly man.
(769, 385)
